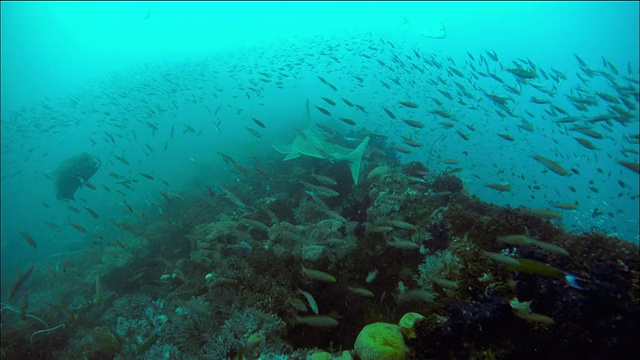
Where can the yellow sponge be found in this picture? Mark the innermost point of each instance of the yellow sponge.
(322, 355)
(407, 324)
(380, 341)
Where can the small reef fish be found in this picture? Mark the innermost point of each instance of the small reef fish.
(403, 225)
(416, 295)
(371, 276)
(505, 259)
(324, 180)
(379, 229)
(360, 291)
(126, 226)
(499, 187)
(565, 206)
(298, 304)
(310, 300)
(551, 165)
(448, 284)
(542, 269)
(402, 149)
(518, 239)
(317, 321)
(546, 213)
(535, 268)
(403, 244)
(318, 275)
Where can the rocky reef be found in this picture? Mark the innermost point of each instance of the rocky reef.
(284, 268)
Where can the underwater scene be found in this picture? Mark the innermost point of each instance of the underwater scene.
(320, 180)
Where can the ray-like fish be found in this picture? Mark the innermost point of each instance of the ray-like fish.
(310, 142)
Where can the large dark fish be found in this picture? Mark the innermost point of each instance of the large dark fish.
(70, 175)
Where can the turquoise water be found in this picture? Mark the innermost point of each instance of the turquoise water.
(167, 86)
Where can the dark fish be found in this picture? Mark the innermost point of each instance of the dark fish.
(391, 115)
(635, 167)
(580, 61)
(254, 132)
(88, 184)
(166, 198)
(506, 137)
(110, 137)
(28, 239)
(78, 227)
(52, 225)
(492, 55)
(456, 71)
(348, 121)
(21, 280)
(522, 73)
(240, 168)
(586, 143)
(499, 187)
(261, 171)
(551, 165)
(323, 110)
(409, 104)
(126, 226)
(93, 213)
(349, 103)
(122, 159)
(128, 206)
(329, 101)
(414, 123)
(258, 122)
(302, 135)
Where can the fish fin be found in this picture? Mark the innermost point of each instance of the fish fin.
(308, 115)
(283, 149)
(572, 280)
(355, 158)
(292, 155)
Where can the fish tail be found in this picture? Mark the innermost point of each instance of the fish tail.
(572, 280)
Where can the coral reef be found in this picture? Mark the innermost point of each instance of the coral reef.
(228, 280)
